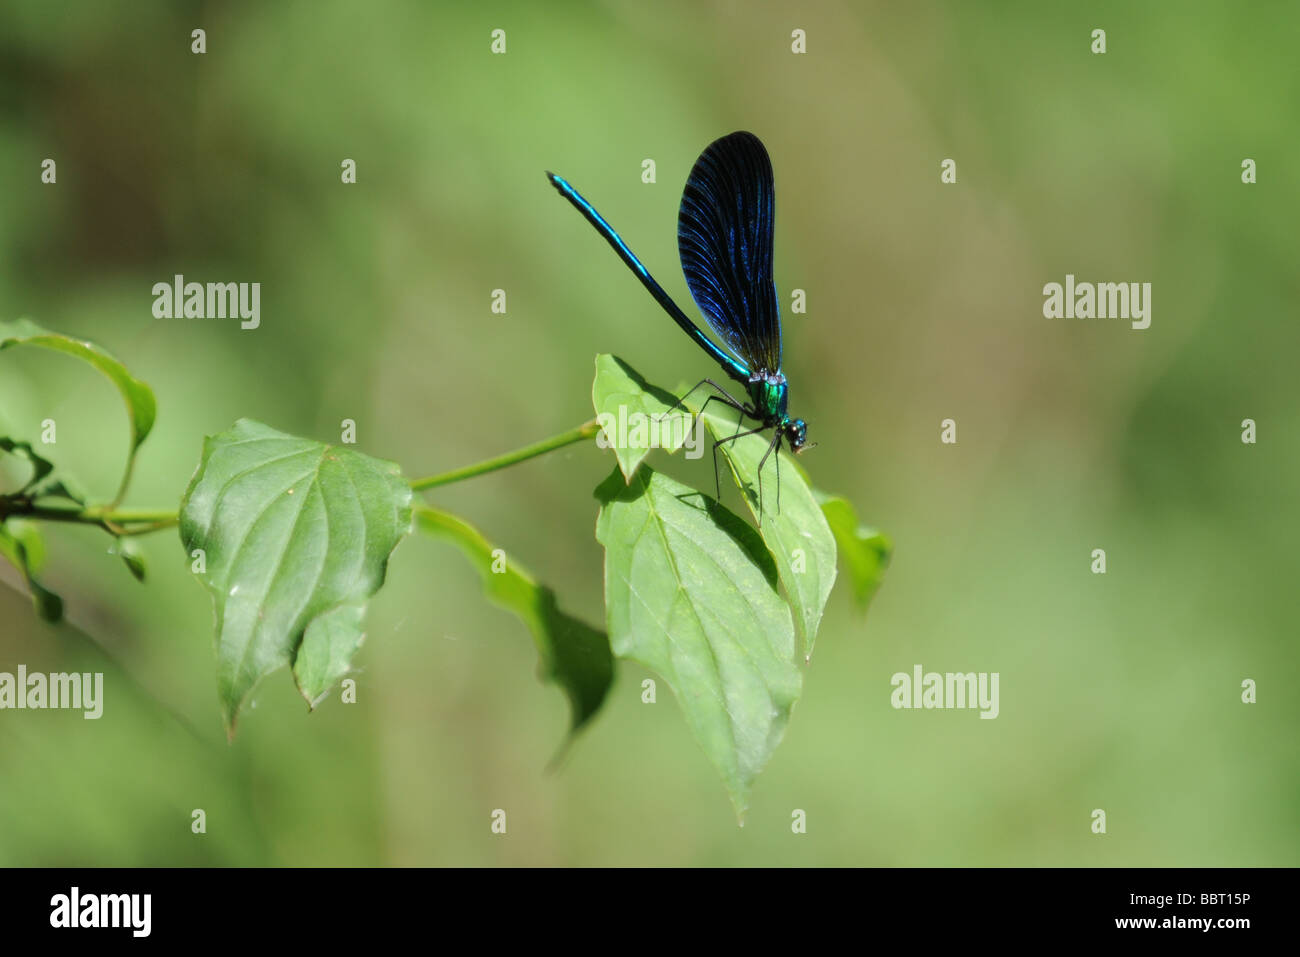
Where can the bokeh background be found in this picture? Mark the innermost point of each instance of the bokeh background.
(1119, 692)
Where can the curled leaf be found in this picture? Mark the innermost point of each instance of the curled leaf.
(140, 406)
(40, 467)
(22, 545)
(573, 654)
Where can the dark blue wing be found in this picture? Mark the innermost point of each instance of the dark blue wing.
(724, 235)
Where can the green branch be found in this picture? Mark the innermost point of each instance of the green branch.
(98, 514)
(118, 521)
(140, 521)
(585, 431)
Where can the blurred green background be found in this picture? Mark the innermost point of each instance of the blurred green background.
(1119, 692)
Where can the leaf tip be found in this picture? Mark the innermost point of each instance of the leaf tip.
(49, 606)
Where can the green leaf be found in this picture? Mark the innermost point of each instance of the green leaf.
(28, 535)
(798, 535)
(23, 450)
(691, 594)
(634, 414)
(572, 654)
(140, 406)
(127, 550)
(22, 545)
(865, 551)
(293, 532)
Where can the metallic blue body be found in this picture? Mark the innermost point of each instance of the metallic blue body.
(733, 366)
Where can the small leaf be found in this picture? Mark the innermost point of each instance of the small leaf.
(22, 545)
(632, 413)
(40, 467)
(58, 488)
(140, 406)
(690, 592)
(28, 535)
(129, 552)
(798, 535)
(573, 654)
(293, 530)
(865, 551)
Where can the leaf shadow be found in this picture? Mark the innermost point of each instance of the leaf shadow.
(663, 395)
(745, 536)
(742, 533)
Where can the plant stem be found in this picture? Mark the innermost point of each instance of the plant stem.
(585, 431)
(96, 514)
(140, 521)
(112, 519)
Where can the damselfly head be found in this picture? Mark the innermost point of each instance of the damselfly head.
(796, 433)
